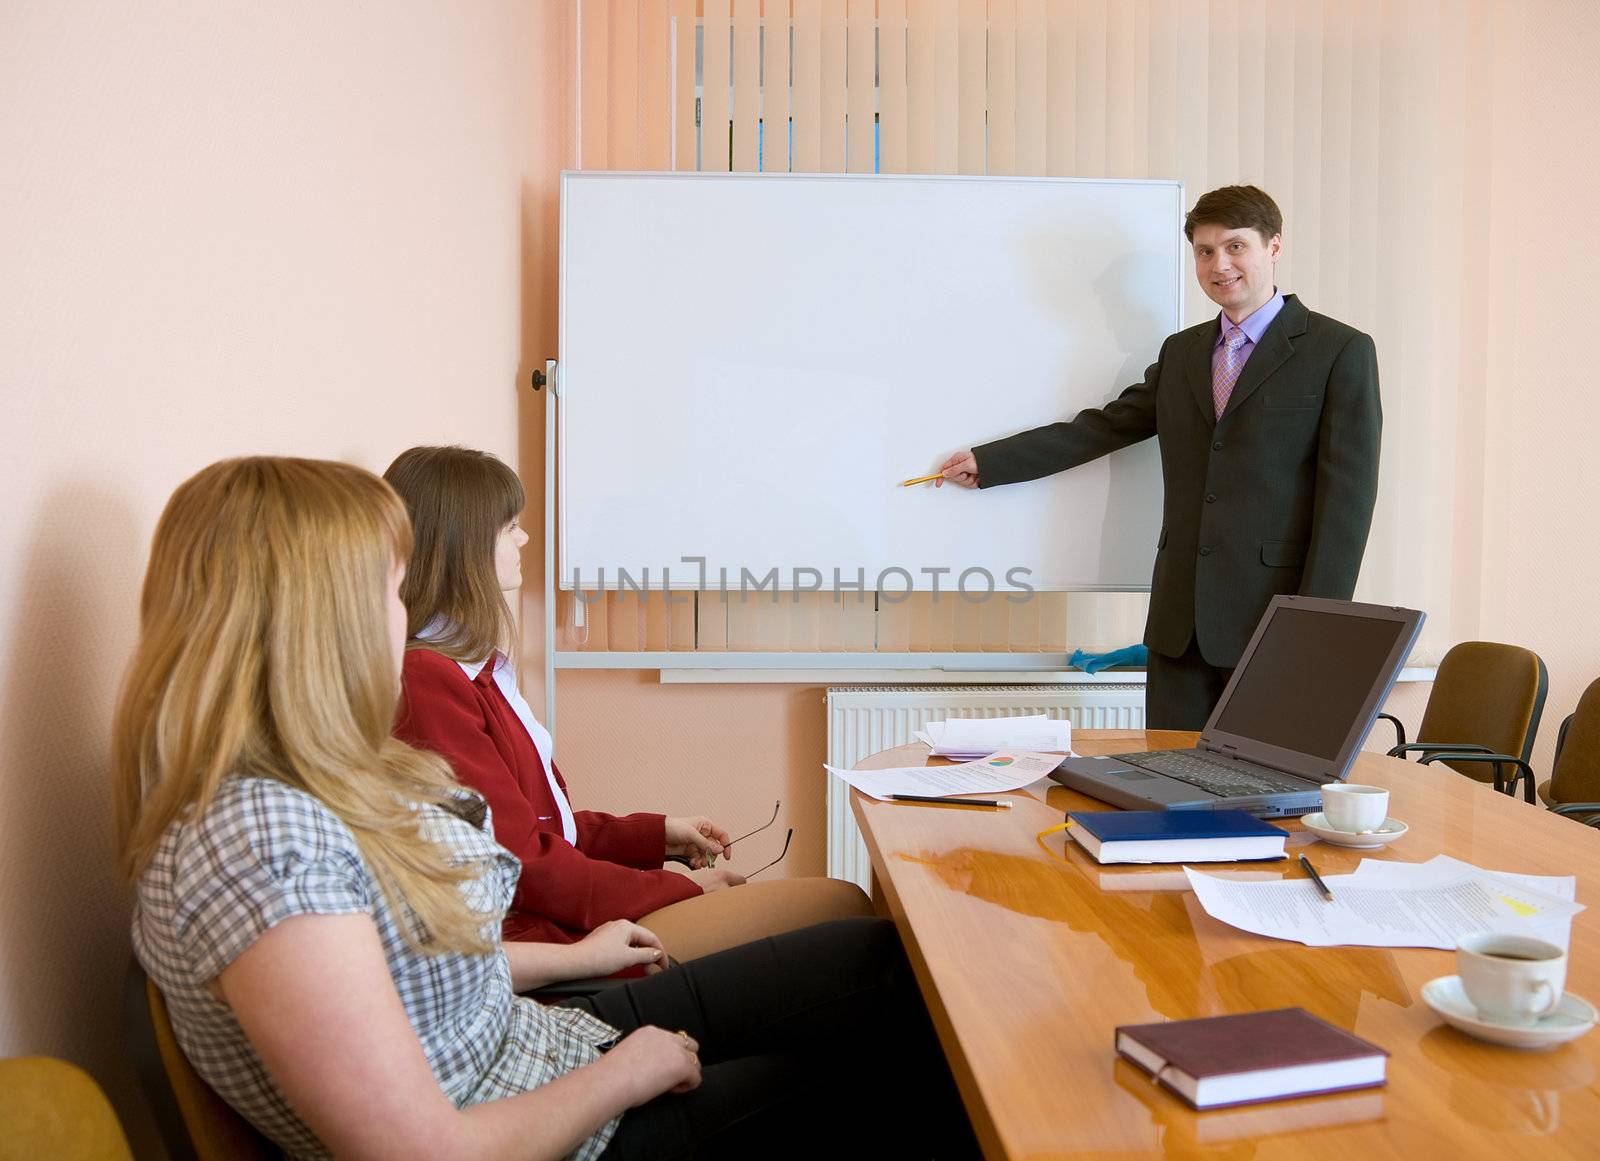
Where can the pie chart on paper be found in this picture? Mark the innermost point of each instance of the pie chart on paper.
(1001, 761)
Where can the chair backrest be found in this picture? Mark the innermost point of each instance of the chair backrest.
(1575, 775)
(1486, 694)
(196, 1124)
(50, 1108)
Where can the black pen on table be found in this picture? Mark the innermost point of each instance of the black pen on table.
(1316, 878)
(993, 802)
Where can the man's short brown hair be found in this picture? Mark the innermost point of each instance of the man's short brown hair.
(1236, 207)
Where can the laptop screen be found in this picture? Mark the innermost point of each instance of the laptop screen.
(1308, 679)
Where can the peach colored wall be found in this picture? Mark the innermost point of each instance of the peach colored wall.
(302, 227)
(627, 742)
(1540, 474)
(328, 229)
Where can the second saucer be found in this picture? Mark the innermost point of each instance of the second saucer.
(1391, 829)
(1572, 1017)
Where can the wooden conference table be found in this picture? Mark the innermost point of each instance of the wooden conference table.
(1028, 963)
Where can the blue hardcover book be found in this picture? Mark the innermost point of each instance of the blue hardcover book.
(1175, 836)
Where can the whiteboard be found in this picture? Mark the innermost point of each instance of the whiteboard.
(749, 364)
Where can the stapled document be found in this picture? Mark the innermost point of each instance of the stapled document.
(994, 774)
(976, 737)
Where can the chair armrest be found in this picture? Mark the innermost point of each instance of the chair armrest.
(1523, 769)
(1439, 747)
(1573, 809)
(1399, 732)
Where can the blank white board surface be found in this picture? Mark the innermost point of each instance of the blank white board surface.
(749, 365)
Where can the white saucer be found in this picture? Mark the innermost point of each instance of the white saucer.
(1572, 1018)
(1391, 829)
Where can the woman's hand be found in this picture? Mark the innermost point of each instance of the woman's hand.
(961, 468)
(613, 946)
(715, 878)
(698, 839)
(653, 1061)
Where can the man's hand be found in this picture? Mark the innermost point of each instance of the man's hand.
(698, 839)
(961, 468)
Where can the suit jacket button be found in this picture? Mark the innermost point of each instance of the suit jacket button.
(1217, 446)
(1211, 497)
(1204, 550)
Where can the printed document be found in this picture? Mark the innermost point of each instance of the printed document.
(1554, 928)
(1388, 904)
(998, 772)
(976, 737)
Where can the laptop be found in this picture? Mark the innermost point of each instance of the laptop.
(1299, 705)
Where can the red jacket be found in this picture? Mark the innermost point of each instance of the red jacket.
(565, 892)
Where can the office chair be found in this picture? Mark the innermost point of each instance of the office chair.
(195, 1123)
(1487, 699)
(1573, 788)
(54, 1109)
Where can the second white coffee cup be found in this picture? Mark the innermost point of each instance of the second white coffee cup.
(1354, 807)
(1511, 979)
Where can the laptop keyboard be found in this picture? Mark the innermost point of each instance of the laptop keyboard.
(1226, 777)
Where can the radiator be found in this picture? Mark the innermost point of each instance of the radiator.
(865, 720)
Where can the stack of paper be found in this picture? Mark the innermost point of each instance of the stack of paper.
(1390, 904)
(992, 774)
(976, 737)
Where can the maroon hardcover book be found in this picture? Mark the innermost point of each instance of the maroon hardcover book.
(1256, 1056)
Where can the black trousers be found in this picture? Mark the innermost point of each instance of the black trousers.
(813, 1043)
(1180, 692)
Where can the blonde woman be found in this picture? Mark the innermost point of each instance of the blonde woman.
(320, 903)
(579, 868)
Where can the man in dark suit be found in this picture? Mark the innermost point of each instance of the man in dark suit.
(1268, 421)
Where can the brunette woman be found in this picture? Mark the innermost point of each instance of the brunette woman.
(579, 868)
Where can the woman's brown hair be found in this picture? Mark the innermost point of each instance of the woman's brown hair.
(459, 501)
(264, 650)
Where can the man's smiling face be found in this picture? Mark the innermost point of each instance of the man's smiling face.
(1235, 267)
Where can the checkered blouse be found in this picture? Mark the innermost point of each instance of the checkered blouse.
(263, 852)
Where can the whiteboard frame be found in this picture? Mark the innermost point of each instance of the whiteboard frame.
(1049, 667)
(568, 175)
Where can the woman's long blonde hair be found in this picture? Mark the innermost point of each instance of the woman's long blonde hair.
(459, 501)
(264, 650)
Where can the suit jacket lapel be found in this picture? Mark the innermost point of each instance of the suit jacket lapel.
(1272, 352)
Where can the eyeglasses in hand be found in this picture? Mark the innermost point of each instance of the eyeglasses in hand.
(776, 806)
(776, 861)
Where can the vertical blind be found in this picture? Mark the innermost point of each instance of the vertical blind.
(1365, 119)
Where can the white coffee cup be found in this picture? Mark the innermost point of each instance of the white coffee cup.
(1511, 979)
(1353, 807)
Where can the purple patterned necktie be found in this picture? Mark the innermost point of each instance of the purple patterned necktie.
(1226, 373)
